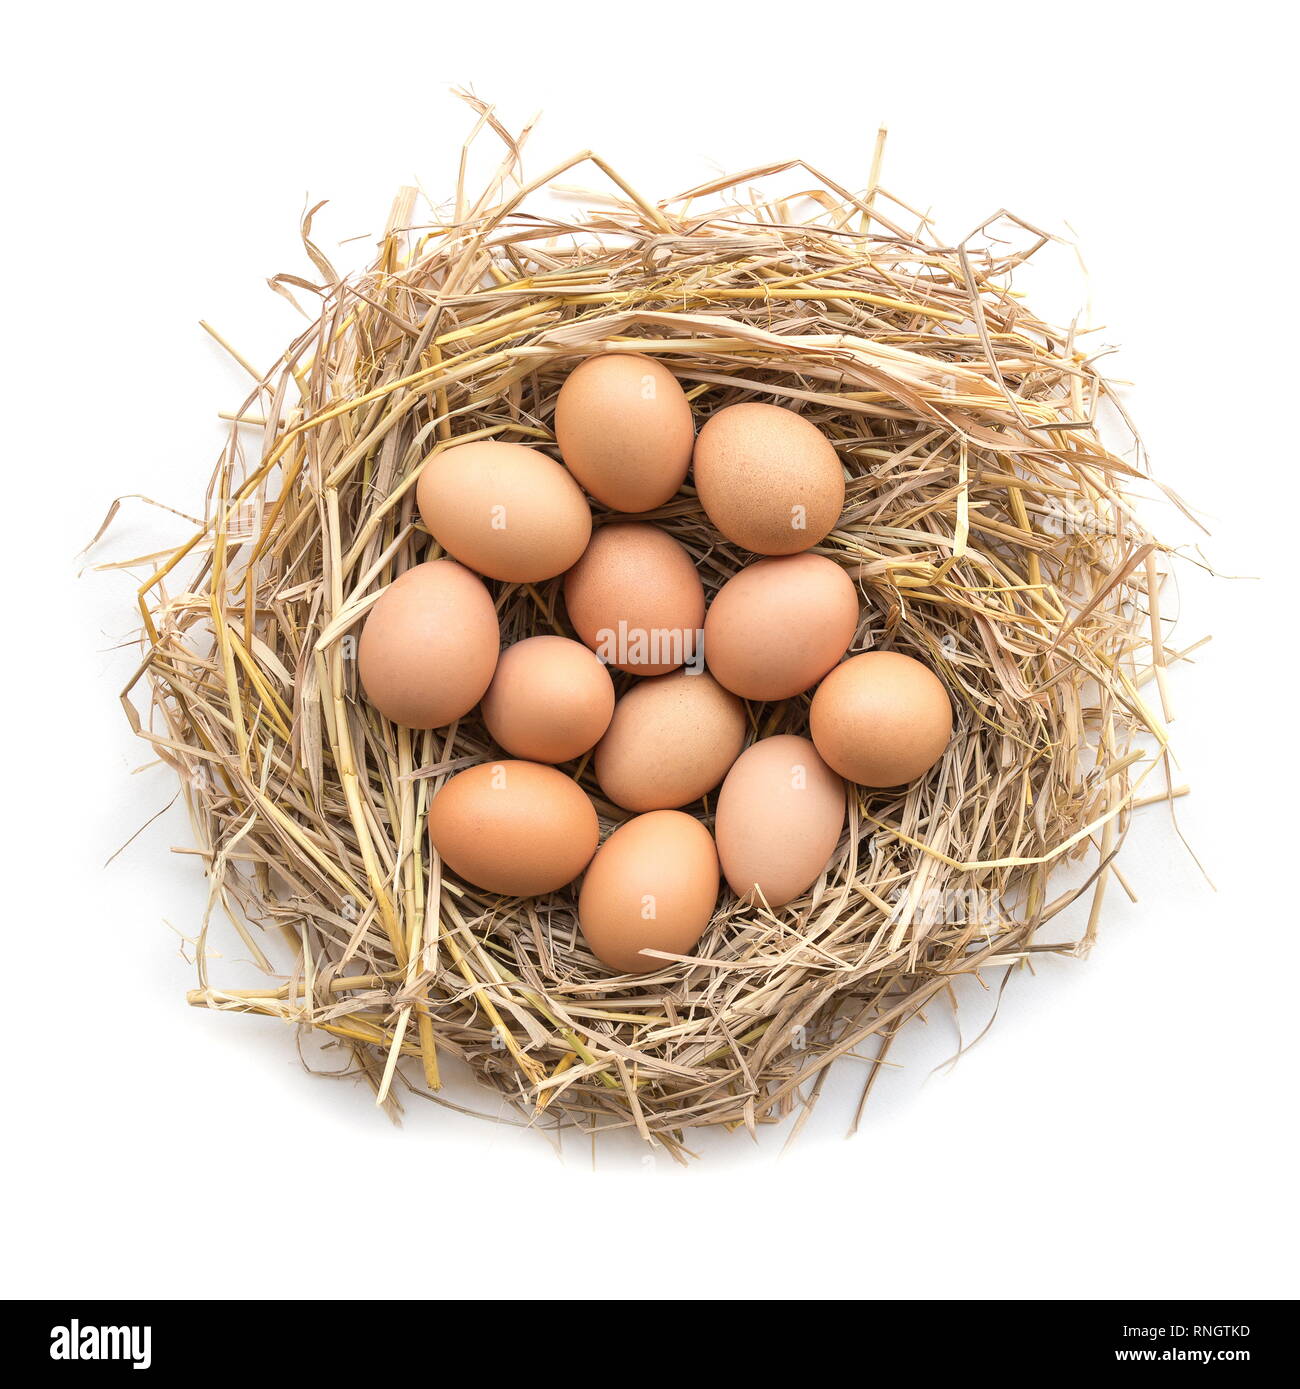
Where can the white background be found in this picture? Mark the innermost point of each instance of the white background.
(1128, 1127)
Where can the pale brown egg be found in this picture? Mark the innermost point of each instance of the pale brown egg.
(516, 828)
(507, 511)
(551, 699)
(652, 886)
(636, 599)
(429, 645)
(625, 431)
(775, 628)
(881, 719)
(768, 478)
(670, 741)
(779, 817)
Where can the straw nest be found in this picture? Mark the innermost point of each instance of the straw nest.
(991, 533)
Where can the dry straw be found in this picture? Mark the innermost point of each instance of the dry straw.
(991, 533)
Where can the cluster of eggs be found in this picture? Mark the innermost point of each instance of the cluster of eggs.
(769, 481)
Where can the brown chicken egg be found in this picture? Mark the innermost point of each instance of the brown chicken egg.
(652, 886)
(507, 511)
(551, 699)
(768, 478)
(429, 645)
(881, 719)
(636, 599)
(779, 817)
(625, 431)
(516, 828)
(775, 628)
(671, 739)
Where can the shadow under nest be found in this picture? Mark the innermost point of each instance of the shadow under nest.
(989, 530)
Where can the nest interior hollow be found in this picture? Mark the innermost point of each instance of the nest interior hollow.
(989, 529)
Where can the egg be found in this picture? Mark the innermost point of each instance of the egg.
(429, 646)
(768, 479)
(636, 599)
(779, 817)
(507, 511)
(625, 431)
(652, 886)
(516, 828)
(550, 700)
(775, 628)
(670, 741)
(881, 719)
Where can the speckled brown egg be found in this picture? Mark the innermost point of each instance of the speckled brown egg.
(779, 817)
(636, 599)
(881, 719)
(551, 699)
(504, 510)
(516, 828)
(652, 886)
(429, 645)
(775, 628)
(670, 741)
(624, 429)
(768, 478)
